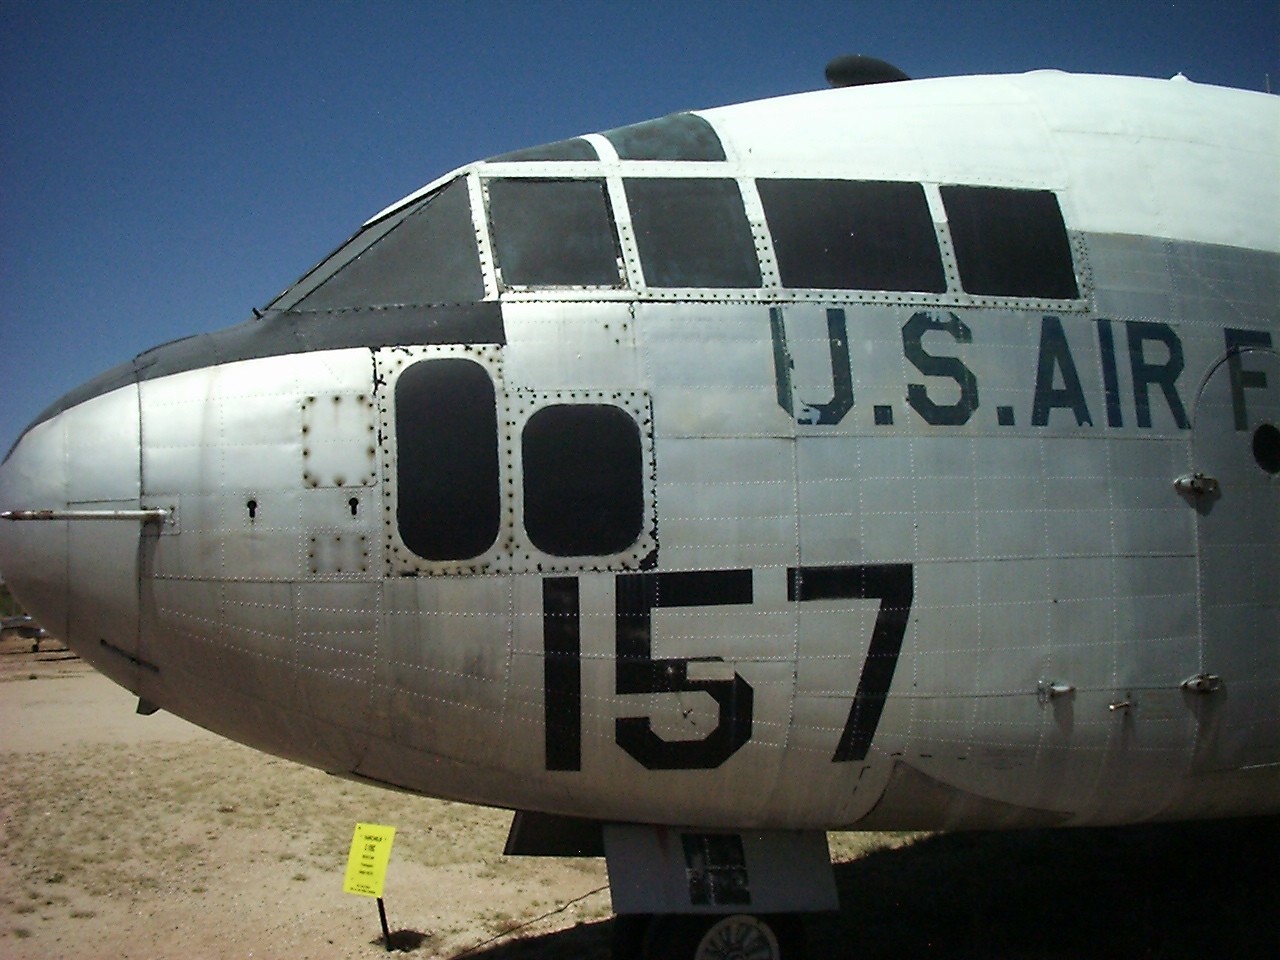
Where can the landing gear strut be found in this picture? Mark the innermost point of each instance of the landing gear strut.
(688, 893)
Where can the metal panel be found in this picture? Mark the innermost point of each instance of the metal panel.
(102, 610)
(559, 346)
(442, 675)
(525, 555)
(686, 870)
(339, 440)
(1239, 540)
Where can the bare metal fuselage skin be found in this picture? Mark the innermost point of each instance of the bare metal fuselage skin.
(738, 553)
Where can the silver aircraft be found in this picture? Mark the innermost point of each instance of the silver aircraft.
(902, 455)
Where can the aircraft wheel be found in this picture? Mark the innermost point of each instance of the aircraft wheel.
(735, 937)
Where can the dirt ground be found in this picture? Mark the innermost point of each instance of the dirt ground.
(145, 837)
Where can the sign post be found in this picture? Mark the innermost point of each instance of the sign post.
(367, 867)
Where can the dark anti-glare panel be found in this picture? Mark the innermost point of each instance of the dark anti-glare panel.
(447, 459)
(553, 233)
(1010, 243)
(853, 235)
(692, 233)
(583, 480)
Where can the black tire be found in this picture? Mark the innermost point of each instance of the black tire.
(730, 937)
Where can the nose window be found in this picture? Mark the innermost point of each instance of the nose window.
(447, 467)
(583, 480)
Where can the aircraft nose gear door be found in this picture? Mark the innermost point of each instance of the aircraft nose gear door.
(1236, 442)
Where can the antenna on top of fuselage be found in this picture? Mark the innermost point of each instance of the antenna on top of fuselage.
(856, 70)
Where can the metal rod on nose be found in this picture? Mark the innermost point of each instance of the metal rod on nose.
(145, 516)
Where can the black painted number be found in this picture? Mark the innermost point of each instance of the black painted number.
(638, 672)
(893, 585)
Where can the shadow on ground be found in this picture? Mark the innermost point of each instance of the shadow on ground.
(1160, 892)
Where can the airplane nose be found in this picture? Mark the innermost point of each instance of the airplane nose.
(69, 543)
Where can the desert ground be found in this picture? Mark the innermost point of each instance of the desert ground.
(124, 836)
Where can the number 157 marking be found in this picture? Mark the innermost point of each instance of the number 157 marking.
(638, 672)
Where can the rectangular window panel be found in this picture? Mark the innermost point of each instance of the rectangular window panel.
(1010, 243)
(692, 233)
(553, 233)
(851, 235)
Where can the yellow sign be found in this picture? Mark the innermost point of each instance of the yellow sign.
(367, 862)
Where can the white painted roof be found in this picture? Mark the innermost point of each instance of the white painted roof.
(1166, 158)
(1130, 155)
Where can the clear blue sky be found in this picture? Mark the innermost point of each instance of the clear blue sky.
(165, 167)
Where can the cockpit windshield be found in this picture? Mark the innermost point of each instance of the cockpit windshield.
(423, 253)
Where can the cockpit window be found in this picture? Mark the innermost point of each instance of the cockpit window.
(681, 136)
(424, 253)
(1010, 243)
(853, 235)
(692, 233)
(553, 232)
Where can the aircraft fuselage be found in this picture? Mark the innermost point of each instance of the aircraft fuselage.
(892, 457)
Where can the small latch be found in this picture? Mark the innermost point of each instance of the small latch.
(1203, 683)
(1047, 690)
(1196, 485)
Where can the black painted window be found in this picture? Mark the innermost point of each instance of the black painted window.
(1010, 243)
(447, 459)
(553, 233)
(423, 254)
(852, 235)
(583, 480)
(561, 150)
(681, 136)
(692, 233)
